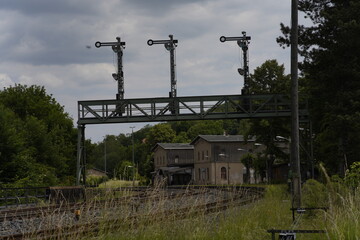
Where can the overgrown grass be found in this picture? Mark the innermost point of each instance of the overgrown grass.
(113, 183)
(341, 221)
(252, 221)
(247, 222)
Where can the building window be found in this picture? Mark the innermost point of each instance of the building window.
(208, 174)
(176, 159)
(199, 174)
(202, 155)
(223, 173)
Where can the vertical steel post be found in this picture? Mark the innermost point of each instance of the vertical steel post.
(171, 49)
(295, 155)
(170, 45)
(120, 74)
(117, 47)
(80, 163)
(245, 48)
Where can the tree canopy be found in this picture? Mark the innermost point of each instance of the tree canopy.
(38, 141)
(331, 67)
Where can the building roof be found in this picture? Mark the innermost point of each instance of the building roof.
(222, 138)
(174, 146)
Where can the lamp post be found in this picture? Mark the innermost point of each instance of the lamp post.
(133, 154)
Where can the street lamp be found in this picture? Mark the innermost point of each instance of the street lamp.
(133, 154)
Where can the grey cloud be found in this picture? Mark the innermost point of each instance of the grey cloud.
(160, 6)
(38, 7)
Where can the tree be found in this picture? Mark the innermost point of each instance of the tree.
(40, 140)
(160, 133)
(331, 66)
(270, 78)
(205, 127)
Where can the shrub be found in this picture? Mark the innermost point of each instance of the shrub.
(314, 194)
(352, 177)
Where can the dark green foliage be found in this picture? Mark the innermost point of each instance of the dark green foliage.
(315, 194)
(205, 128)
(331, 66)
(160, 133)
(352, 177)
(38, 141)
(270, 77)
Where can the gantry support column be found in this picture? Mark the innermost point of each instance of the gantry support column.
(81, 160)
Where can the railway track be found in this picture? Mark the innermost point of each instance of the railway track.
(144, 206)
(31, 212)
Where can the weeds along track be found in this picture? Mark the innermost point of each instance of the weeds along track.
(137, 195)
(110, 214)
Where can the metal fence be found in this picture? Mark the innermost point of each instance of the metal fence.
(24, 196)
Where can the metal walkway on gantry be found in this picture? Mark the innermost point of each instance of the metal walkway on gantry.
(186, 108)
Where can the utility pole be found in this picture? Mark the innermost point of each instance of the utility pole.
(295, 153)
(117, 47)
(243, 43)
(170, 45)
(133, 154)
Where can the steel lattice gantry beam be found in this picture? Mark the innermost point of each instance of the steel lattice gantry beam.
(186, 108)
(189, 108)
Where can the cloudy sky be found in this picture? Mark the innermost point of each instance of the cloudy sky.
(44, 42)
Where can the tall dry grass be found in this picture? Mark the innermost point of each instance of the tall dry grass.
(245, 222)
(161, 217)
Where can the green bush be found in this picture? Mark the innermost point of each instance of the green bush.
(352, 177)
(314, 194)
